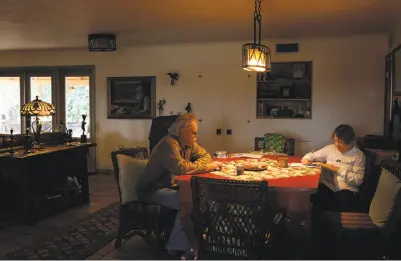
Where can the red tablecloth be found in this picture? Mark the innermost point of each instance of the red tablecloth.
(303, 182)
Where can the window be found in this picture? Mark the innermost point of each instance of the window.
(42, 87)
(68, 88)
(10, 104)
(77, 103)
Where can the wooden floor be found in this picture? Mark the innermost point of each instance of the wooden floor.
(103, 192)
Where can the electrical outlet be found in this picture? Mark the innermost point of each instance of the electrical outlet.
(229, 132)
(218, 132)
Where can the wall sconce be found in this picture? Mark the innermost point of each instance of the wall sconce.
(174, 77)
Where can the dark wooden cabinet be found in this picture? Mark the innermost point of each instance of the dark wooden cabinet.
(285, 91)
(36, 185)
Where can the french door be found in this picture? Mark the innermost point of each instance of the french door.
(11, 98)
(76, 99)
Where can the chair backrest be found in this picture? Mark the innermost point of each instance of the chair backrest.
(159, 129)
(231, 217)
(289, 147)
(139, 153)
(259, 143)
(372, 174)
(274, 142)
(392, 166)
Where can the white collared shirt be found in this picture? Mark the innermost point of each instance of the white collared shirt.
(351, 165)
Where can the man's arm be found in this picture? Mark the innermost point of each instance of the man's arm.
(177, 165)
(200, 155)
(355, 177)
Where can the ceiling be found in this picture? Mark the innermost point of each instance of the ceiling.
(33, 24)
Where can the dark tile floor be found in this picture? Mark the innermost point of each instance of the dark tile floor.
(103, 192)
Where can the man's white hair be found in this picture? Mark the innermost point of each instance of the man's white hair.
(183, 121)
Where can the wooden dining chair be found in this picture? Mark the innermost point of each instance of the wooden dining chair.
(232, 219)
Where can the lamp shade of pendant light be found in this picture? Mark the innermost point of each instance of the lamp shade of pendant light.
(255, 56)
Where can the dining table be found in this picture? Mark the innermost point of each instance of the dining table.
(289, 194)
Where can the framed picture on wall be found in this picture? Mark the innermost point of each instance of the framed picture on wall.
(131, 97)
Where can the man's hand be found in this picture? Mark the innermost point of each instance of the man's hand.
(215, 165)
(306, 161)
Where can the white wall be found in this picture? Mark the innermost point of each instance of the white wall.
(348, 76)
(396, 31)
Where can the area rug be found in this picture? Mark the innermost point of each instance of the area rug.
(77, 241)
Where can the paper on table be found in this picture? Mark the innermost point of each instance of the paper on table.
(247, 155)
(297, 164)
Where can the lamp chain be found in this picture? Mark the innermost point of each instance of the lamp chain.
(258, 9)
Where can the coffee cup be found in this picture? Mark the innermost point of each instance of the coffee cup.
(283, 162)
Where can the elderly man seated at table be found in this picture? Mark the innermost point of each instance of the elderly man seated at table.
(177, 153)
(346, 164)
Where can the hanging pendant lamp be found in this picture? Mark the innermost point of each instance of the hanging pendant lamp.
(255, 56)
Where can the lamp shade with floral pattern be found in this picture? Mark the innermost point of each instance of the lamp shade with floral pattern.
(37, 108)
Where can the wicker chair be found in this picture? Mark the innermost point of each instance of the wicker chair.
(230, 218)
(151, 221)
(289, 148)
(353, 235)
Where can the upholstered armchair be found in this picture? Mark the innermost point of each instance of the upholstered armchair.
(372, 235)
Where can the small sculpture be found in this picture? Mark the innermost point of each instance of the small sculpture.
(160, 106)
(174, 77)
(83, 136)
(27, 141)
(11, 141)
(38, 130)
(188, 108)
(69, 135)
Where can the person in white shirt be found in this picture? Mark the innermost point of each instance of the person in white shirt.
(346, 163)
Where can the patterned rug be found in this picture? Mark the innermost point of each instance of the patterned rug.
(77, 241)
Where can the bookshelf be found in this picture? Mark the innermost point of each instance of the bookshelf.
(285, 91)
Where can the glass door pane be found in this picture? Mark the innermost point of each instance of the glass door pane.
(42, 87)
(77, 103)
(10, 104)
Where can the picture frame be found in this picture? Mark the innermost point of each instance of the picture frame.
(131, 97)
(286, 92)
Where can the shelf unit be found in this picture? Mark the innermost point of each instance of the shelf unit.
(285, 91)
